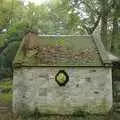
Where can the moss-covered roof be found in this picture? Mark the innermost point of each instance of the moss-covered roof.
(61, 50)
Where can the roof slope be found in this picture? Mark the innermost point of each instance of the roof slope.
(62, 50)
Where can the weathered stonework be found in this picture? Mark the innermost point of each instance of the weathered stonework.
(89, 89)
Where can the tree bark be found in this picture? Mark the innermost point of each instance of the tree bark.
(104, 24)
(115, 32)
(104, 20)
(115, 44)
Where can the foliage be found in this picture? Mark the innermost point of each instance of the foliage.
(6, 58)
(57, 17)
(16, 31)
(7, 8)
(93, 13)
(8, 54)
(5, 13)
(2, 40)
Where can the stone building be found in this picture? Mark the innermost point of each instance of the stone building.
(63, 75)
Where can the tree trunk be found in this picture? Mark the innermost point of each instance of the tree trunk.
(115, 32)
(92, 29)
(104, 19)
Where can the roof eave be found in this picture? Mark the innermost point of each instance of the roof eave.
(101, 49)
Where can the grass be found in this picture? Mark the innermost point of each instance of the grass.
(6, 98)
(6, 84)
(6, 91)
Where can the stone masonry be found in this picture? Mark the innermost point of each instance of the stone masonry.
(89, 89)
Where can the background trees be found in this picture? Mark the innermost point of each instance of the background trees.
(57, 17)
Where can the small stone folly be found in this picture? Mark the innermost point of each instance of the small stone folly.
(63, 75)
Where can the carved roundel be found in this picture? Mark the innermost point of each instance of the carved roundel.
(62, 78)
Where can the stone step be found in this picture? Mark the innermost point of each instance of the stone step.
(5, 105)
(4, 108)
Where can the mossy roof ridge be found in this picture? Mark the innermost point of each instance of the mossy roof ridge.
(58, 50)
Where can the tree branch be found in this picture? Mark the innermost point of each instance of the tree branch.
(96, 24)
(92, 29)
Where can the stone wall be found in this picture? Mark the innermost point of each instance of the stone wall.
(88, 90)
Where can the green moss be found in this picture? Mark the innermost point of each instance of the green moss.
(100, 108)
(27, 114)
(103, 106)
